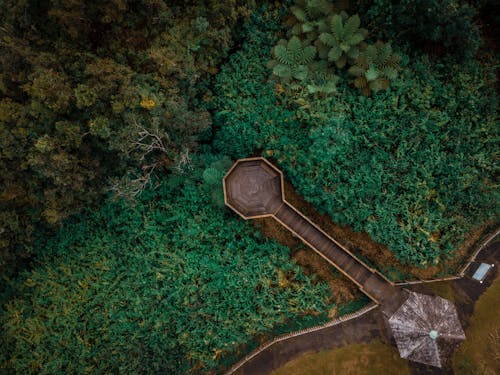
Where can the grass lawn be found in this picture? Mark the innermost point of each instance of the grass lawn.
(357, 359)
(480, 352)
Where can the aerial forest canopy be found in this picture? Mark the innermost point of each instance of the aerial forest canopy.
(118, 120)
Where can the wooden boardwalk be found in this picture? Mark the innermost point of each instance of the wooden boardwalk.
(254, 188)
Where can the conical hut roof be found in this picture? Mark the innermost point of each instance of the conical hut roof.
(426, 329)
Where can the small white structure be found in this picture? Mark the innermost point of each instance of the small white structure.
(481, 272)
(426, 329)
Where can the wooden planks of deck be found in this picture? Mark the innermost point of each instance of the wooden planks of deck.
(370, 282)
(254, 188)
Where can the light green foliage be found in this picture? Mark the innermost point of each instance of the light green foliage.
(344, 38)
(291, 59)
(375, 68)
(338, 41)
(170, 285)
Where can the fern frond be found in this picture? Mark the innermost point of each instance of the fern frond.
(328, 39)
(300, 72)
(371, 74)
(353, 53)
(337, 27)
(355, 39)
(281, 54)
(371, 55)
(307, 27)
(357, 70)
(360, 82)
(390, 72)
(318, 8)
(283, 71)
(351, 26)
(393, 61)
(379, 84)
(341, 62)
(308, 54)
(212, 176)
(384, 54)
(299, 13)
(294, 50)
(335, 53)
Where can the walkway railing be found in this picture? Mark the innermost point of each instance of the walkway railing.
(287, 336)
(462, 272)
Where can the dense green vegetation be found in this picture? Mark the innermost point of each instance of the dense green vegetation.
(413, 166)
(92, 91)
(169, 285)
(116, 253)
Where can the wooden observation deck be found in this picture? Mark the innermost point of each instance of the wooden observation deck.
(253, 188)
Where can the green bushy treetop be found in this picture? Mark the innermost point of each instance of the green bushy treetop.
(94, 91)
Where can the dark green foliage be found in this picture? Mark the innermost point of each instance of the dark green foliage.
(94, 90)
(375, 68)
(168, 286)
(413, 167)
(437, 27)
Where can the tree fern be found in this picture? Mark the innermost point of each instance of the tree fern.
(375, 68)
(306, 18)
(291, 59)
(322, 80)
(342, 40)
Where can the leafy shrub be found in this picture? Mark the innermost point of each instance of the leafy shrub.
(306, 16)
(292, 59)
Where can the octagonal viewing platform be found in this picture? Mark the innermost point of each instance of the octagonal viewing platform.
(253, 188)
